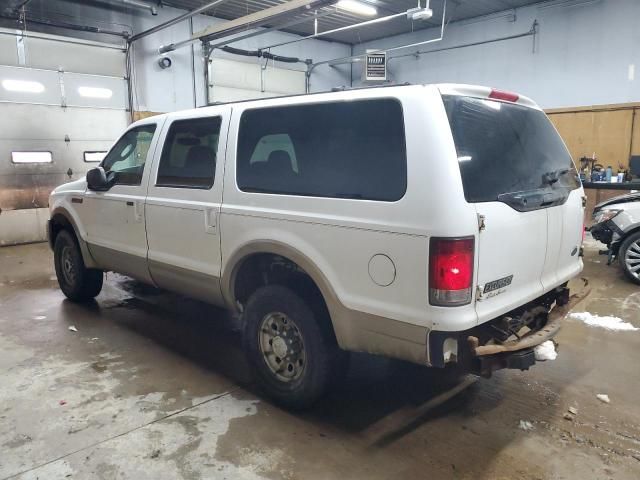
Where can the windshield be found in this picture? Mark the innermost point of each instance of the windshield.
(505, 148)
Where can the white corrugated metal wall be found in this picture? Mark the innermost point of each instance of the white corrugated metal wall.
(59, 95)
(231, 80)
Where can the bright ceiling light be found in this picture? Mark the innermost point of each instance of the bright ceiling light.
(22, 86)
(95, 92)
(358, 8)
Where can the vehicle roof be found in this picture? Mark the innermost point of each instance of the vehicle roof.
(349, 93)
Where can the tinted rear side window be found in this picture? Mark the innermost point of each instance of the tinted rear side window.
(189, 154)
(343, 149)
(505, 148)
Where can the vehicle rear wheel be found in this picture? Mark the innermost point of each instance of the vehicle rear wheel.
(77, 282)
(629, 255)
(291, 351)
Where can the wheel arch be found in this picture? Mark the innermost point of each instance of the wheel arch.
(62, 219)
(634, 229)
(248, 252)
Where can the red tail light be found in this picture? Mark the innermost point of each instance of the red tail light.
(450, 271)
(506, 96)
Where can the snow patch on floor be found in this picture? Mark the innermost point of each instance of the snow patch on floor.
(607, 322)
(545, 351)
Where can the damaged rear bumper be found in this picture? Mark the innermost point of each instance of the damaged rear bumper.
(481, 352)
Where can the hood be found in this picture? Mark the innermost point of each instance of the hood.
(629, 197)
(73, 186)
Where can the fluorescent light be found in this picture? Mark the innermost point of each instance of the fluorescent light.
(465, 158)
(358, 8)
(31, 157)
(95, 92)
(22, 86)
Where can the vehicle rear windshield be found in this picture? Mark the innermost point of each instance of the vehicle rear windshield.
(506, 148)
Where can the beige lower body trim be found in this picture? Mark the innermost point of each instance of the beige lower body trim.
(120, 262)
(187, 282)
(362, 332)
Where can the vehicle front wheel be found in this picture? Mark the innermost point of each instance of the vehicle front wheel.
(291, 351)
(629, 255)
(77, 282)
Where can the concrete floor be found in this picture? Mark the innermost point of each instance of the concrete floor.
(154, 386)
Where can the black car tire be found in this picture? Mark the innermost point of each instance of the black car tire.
(77, 282)
(321, 353)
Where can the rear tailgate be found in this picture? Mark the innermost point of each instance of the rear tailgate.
(518, 174)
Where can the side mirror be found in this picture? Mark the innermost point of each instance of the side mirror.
(97, 180)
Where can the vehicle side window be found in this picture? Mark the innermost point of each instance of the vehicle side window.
(271, 143)
(353, 149)
(189, 154)
(129, 155)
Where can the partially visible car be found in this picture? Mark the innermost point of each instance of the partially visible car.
(616, 223)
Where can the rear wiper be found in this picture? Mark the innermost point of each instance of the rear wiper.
(549, 178)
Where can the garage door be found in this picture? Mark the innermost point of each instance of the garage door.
(62, 104)
(231, 80)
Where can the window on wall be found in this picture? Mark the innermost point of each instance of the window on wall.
(95, 92)
(129, 155)
(189, 154)
(96, 156)
(353, 149)
(24, 86)
(31, 157)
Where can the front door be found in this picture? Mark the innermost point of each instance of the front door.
(114, 219)
(183, 205)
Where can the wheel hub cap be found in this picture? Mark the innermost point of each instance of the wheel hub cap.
(282, 347)
(279, 347)
(68, 268)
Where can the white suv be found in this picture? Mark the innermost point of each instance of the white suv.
(437, 224)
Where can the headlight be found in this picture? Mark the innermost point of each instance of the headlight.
(604, 215)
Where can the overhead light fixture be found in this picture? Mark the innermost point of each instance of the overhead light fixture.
(22, 86)
(164, 62)
(419, 14)
(358, 8)
(95, 92)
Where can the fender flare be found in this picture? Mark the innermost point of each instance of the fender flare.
(242, 253)
(89, 262)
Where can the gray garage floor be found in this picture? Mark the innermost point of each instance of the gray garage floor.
(154, 386)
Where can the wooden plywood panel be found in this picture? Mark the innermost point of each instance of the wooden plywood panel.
(606, 132)
(139, 115)
(576, 129)
(635, 141)
(612, 135)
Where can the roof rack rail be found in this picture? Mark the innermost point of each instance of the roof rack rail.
(333, 90)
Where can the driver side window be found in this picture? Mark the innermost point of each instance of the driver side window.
(128, 156)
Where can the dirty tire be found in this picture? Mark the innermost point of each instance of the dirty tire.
(630, 246)
(77, 282)
(319, 346)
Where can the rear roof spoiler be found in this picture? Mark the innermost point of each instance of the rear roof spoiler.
(484, 92)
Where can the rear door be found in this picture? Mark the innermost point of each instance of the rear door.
(518, 174)
(565, 227)
(183, 204)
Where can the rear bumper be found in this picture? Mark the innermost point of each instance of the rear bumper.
(481, 352)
